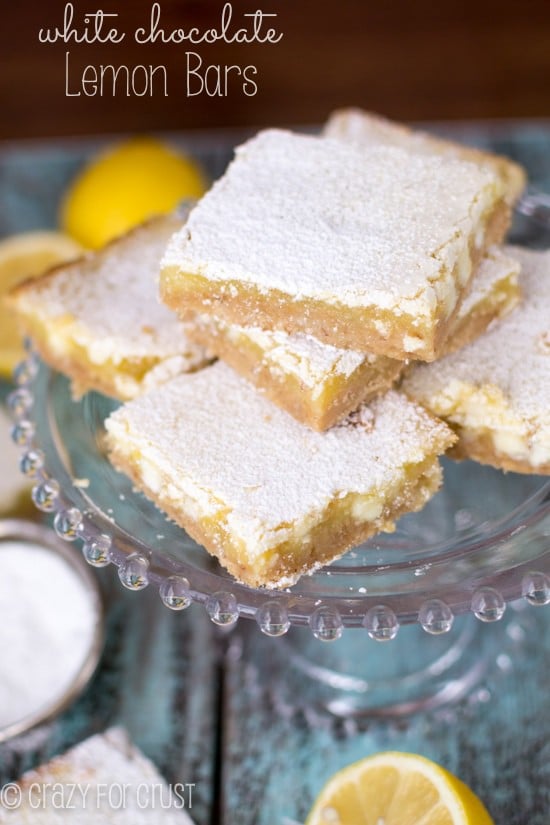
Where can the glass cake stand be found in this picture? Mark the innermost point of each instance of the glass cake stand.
(429, 588)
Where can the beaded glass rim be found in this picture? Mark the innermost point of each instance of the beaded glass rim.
(433, 606)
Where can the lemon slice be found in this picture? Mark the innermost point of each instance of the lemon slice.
(26, 256)
(126, 185)
(397, 789)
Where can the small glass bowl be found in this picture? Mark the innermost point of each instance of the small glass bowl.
(25, 532)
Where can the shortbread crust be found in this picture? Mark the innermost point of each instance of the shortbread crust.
(319, 384)
(367, 129)
(495, 393)
(99, 319)
(364, 249)
(270, 498)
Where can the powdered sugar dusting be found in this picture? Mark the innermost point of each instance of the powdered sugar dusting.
(367, 129)
(215, 438)
(315, 217)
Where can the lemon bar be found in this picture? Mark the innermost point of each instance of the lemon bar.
(367, 129)
(99, 320)
(319, 384)
(495, 393)
(367, 249)
(270, 498)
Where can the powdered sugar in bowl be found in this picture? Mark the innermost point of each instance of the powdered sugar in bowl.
(51, 633)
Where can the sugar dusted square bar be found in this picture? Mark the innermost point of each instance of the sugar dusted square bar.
(270, 498)
(495, 393)
(99, 320)
(367, 249)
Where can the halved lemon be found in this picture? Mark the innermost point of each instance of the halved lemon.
(25, 256)
(397, 789)
(124, 186)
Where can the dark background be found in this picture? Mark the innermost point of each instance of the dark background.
(409, 60)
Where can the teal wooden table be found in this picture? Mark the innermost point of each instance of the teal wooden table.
(202, 704)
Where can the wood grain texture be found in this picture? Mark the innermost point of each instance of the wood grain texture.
(421, 60)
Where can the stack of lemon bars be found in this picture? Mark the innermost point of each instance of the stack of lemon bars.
(298, 351)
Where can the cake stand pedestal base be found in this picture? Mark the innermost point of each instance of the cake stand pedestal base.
(358, 677)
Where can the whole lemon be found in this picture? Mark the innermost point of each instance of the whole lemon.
(124, 186)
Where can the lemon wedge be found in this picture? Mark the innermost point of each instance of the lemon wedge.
(25, 256)
(124, 186)
(397, 789)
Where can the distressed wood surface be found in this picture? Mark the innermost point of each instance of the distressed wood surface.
(277, 759)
